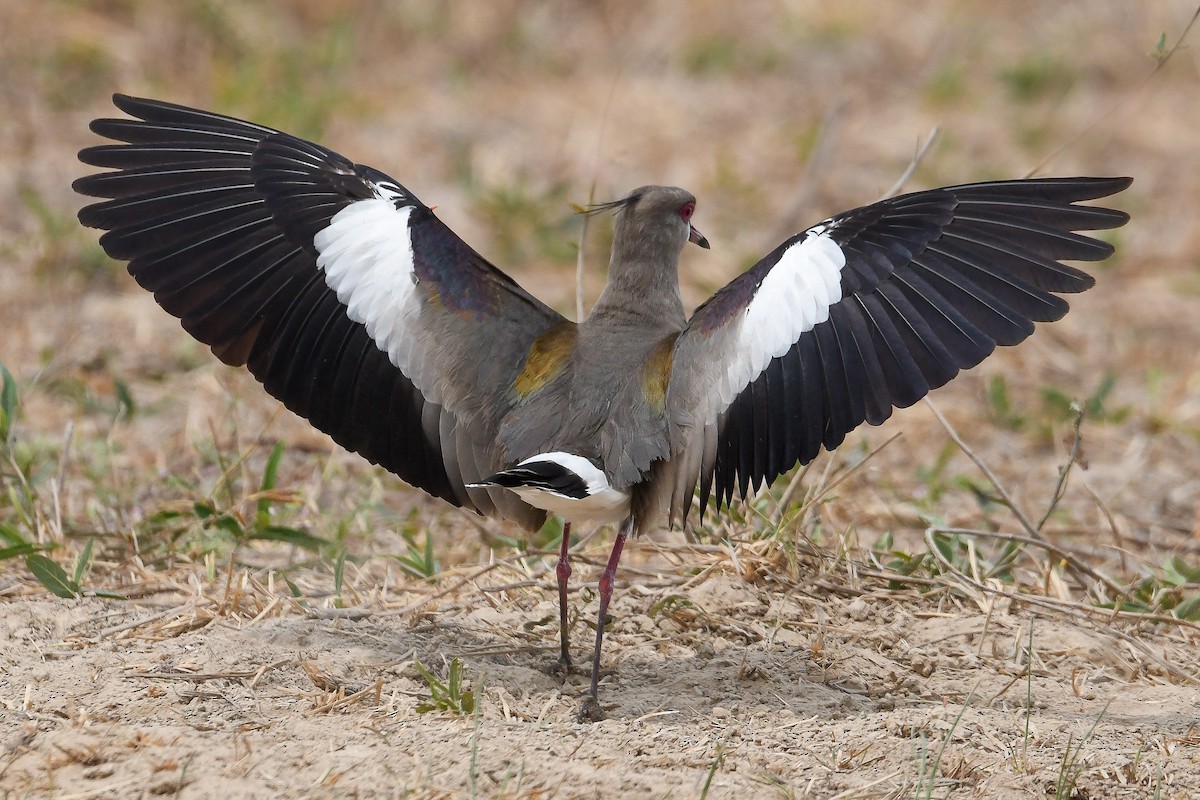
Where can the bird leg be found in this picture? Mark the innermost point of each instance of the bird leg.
(590, 711)
(563, 572)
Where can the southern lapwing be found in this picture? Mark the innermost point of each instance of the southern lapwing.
(355, 306)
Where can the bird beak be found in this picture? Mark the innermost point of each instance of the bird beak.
(696, 237)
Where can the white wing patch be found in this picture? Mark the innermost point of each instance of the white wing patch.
(793, 298)
(366, 254)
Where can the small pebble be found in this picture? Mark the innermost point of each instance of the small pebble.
(854, 683)
(924, 665)
(858, 609)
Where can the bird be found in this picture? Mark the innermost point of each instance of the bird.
(351, 302)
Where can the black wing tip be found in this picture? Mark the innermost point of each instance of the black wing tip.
(1108, 185)
(1104, 219)
(93, 156)
(1067, 190)
(141, 108)
(144, 107)
(80, 185)
(128, 102)
(1099, 188)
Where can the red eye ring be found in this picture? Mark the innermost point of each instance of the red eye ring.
(686, 212)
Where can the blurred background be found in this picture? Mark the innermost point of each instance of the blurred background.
(507, 114)
(132, 462)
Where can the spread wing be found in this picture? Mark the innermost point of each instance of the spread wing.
(339, 290)
(868, 311)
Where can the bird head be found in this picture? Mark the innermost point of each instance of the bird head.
(655, 216)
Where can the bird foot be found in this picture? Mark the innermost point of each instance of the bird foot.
(590, 711)
(563, 668)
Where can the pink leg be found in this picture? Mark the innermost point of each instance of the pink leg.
(591, 711)
(563, 572)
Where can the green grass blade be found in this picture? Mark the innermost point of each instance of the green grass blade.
(262, 515)
(1188, 609)
(18, 550)
(52, 576)
(8, 402)
(291, 536)
(339, 572)
(296, 593)
(10, 534)
(125, 404)
(82, 562)
(718, 759)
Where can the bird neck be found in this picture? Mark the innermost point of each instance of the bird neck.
(643, 285)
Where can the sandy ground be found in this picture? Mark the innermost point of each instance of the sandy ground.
(789, 694)
(765, 661)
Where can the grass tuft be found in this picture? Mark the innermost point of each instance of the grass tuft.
(450, 695)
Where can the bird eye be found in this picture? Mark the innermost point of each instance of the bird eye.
(686, 212)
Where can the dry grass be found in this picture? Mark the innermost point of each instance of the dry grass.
(1000, 602)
